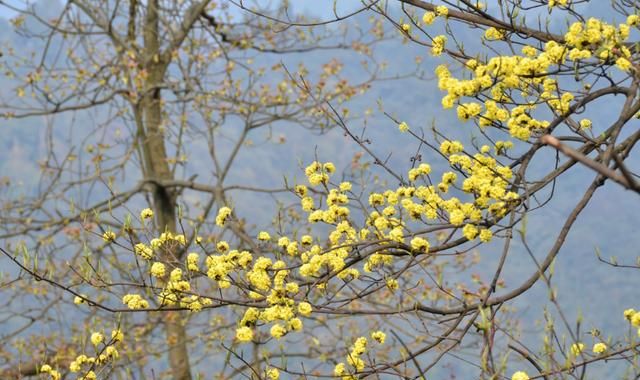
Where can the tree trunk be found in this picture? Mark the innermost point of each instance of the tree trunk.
(157, 168)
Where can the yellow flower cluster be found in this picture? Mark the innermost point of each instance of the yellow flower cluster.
(272, 373)
(219, 266)
(440, 11)
(420, 244)
(468, 110)
(222, 216)
(244, 334)
(147, 213)
(222, 246)
(520, 375)
(486, 180)
(379, 336)
(193, 260)
(135, 301)
(97, 338)
(555, 3)
(173, 290)
(109, 236)
(633, 317)
(55, 374)
(143, 251)
(107, 352)
(493, 34)
(176, 286)
(437, 46)
(337, 210)
(353, 359)
(597, 37)
(314, 259)
(577, 348)
(281, 309)
(599, 348)
(527, 73)
(167, 239)
(392, 284)
(194, 303)
(157, 270)
(318, 173)
(422, 169)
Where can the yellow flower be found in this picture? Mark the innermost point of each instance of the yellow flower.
(304, 308)
(599, 348)
(577, 348)
(485, 235)
(329, 167)
(633, 20)
(405, 27)
(470, 231)
(295, 324)
(428, 18)
(520, 375)
(392, 284)
(117, 335)
(585, 123)
(180, 239)
(301, 190)
(442, 10)
(623, 64)
(468, 110)
(529, 51)
(46, 368)
(493, 34)
(146, 213)
(420, 244)
(244, 334)
(135, 301)
(79, 300)
(456, 217)
(143, 251)
(451, 147)
(345, 186)
(438, 45)
(629, 313)
(111, 352)
(553, 3)
(109, 236)
(378, 336)
(192, 261)
(307, 204)
(222, 216)
(635, 319)
(176, 274)
(278, 331)
(283, 241)
(158, 270)
(222, 246)
(273, 374)
(403, 127)
(306, 240)
(339, 369)
(97, 338)
(359, 347)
